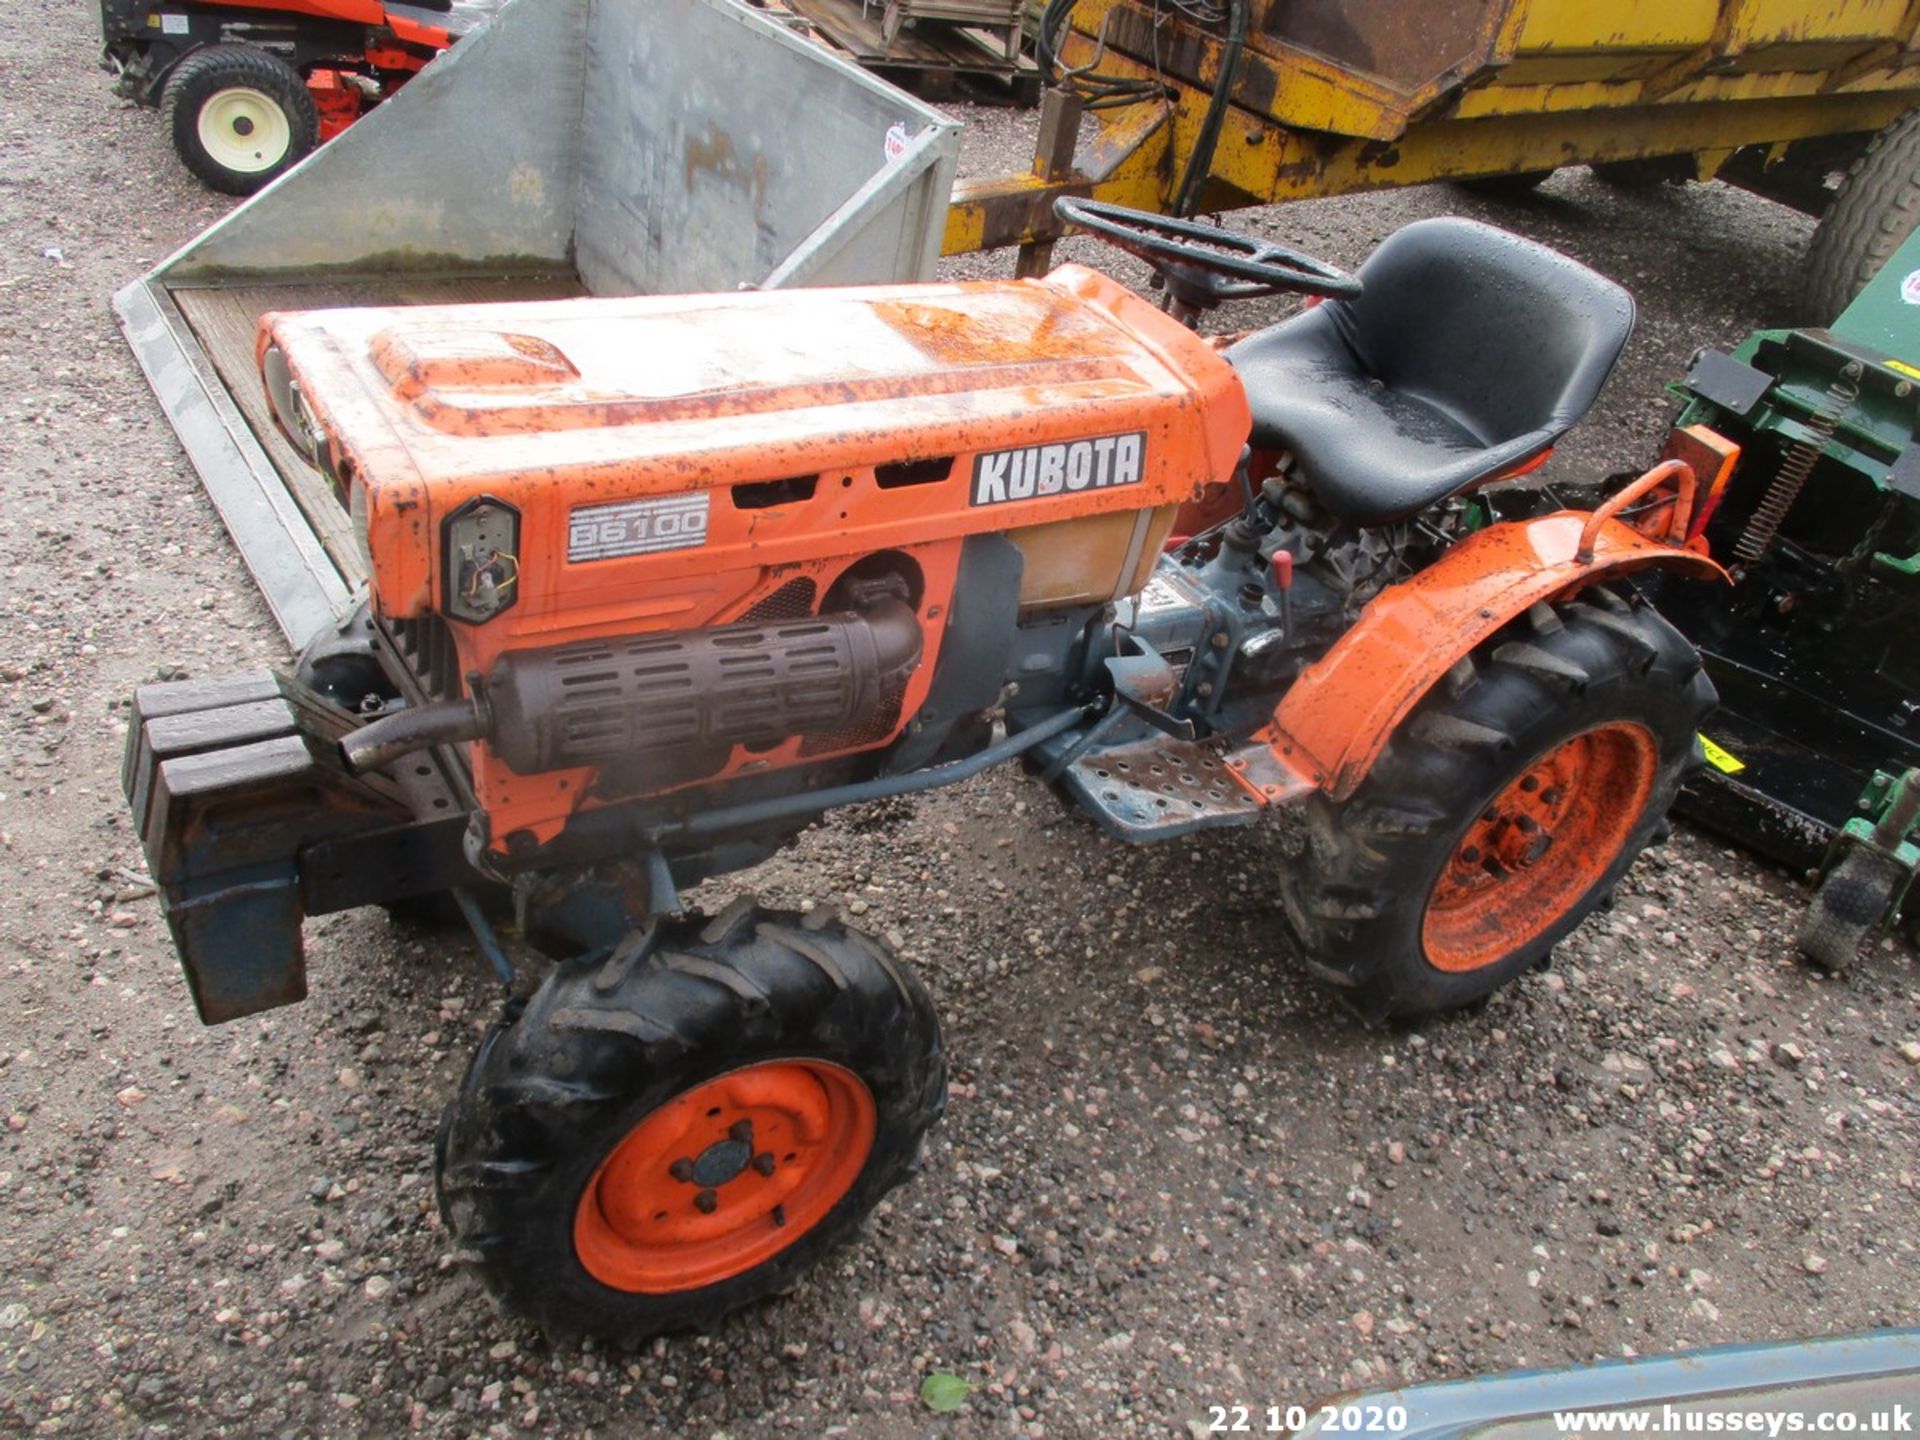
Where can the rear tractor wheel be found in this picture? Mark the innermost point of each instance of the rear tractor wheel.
(691, 1124)
(1506, 808)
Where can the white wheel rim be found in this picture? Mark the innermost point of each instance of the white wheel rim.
(244, 130)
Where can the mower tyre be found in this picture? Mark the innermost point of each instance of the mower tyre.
(690, 1125)
(239, 116)
(1849, 906)
(1504, 809)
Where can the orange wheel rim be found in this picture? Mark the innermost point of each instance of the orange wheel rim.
(1540, 846)
(724, 1176)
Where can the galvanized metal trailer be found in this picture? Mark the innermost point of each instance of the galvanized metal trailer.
(571, 147)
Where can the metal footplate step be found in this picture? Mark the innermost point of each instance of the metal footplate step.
(1160, 787)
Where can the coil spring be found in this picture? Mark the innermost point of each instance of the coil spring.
(1801, 457)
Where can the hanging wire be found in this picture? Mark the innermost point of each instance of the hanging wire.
(1099, 91)
(1200, 159)
(1201, 12)
(1096, 91)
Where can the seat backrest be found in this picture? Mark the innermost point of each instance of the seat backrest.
(1505, 335)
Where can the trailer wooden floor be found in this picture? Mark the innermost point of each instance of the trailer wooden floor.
(224, 320)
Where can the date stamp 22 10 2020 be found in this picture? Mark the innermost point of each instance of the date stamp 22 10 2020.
(1332, 1419)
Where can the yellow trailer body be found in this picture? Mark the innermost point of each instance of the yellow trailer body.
(1324, 97)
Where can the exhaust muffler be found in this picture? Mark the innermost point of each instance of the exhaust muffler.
(591, 702)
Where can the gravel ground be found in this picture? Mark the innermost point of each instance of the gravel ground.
(1172, 1173)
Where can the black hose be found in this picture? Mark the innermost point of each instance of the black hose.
(1096, 92)
(1102, 91)
(1200, 160)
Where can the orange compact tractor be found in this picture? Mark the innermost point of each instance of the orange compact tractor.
(250, 86)
(657, 581)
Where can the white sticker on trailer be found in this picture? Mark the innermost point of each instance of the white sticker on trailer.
(637, 527)
(173, 24)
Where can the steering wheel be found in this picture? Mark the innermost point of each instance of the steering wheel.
(1202, 264)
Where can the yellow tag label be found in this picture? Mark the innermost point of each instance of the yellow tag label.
(1902, 367)
(1725, 763)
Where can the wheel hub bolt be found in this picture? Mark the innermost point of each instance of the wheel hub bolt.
(681, 1170)
(763, 1162)
(742, 1131)
(706, 1202)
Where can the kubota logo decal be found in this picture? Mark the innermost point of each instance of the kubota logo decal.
(1065, 468)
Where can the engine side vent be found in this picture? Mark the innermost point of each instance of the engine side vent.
(792, 601)
(901, 473)
(765, 494)
(426, 648)
(866, 730)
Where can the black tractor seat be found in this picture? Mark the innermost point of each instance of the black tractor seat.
(1468, 352)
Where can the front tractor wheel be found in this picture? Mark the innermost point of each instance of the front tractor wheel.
(239, 116)
(1503, 811)
(688, 1126)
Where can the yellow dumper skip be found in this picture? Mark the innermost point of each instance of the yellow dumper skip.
(1779, 96)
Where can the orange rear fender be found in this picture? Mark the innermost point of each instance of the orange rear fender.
(1337, 717)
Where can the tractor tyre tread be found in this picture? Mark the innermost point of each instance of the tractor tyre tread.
(550, 1092)
(1877, 207)
(1847, 908)
(1356, 899)
(203, 73)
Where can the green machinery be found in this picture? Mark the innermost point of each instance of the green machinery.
(1814, 755)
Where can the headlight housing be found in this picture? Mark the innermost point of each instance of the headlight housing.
(295, 417)
(481, 545)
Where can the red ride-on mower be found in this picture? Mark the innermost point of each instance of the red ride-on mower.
(248, 87)
(657, 581)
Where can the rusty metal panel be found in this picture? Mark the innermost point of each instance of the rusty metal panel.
(1381, 69)
(1407, 46)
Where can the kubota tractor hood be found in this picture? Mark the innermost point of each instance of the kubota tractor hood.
(556, 407)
